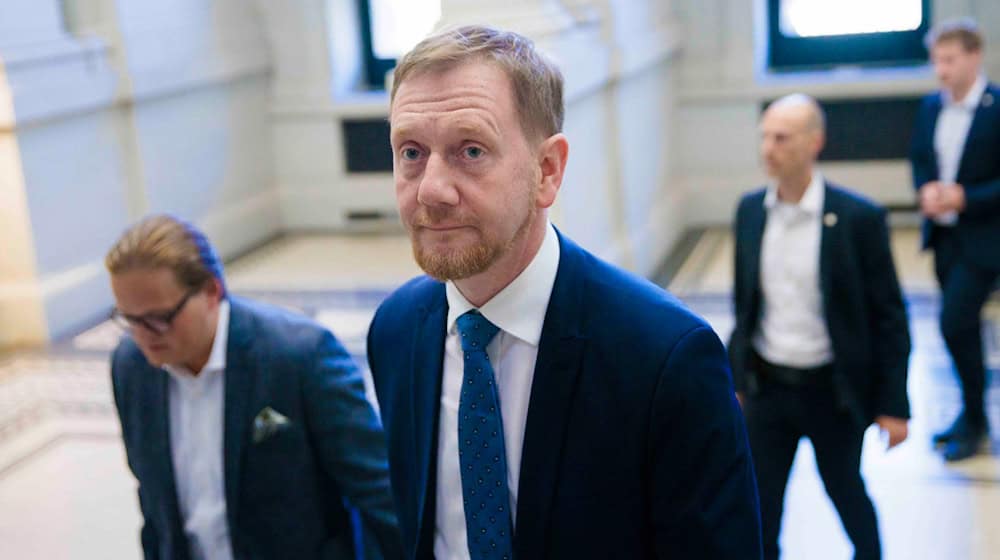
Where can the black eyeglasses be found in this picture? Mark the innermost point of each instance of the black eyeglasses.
(158, 323)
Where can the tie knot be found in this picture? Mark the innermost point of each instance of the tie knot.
(475, 331)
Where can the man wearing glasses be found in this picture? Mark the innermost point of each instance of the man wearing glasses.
(246, 426)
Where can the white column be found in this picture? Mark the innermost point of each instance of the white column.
(30, 31)
(22, 315)
(300, 39)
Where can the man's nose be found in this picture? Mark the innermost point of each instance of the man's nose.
(437, 185)
(766, 147)
(142, 335)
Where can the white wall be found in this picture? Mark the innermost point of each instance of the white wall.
(316, 84)
(138, 107)
(229, 113)
(720, 98)
(616, 56)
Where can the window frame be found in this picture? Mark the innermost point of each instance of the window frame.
(375, 68)
(889, 48)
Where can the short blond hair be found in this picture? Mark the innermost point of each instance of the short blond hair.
(537, 82)
(164, 241)
(963, 30)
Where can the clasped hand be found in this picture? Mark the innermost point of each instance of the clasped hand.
(938, 198)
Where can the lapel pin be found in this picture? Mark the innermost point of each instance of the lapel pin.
(987, 100)
(830, 219)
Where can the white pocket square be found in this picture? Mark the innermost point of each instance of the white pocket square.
(267, 423)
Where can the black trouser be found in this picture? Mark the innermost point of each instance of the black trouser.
(965, 288)
(777, 417)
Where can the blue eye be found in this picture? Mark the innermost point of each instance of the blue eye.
(410, 154)
(474, 152)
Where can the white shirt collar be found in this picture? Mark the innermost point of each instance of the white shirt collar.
(811, 201)
(519, 308)
(217, 358)
(972, 99)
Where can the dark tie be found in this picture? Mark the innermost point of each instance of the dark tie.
(481, 452)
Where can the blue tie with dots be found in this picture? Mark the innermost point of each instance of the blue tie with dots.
(481, 452)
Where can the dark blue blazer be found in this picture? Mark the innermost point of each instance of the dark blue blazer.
(978, 228)
(285, 495)
(863, 306)
(634, 445)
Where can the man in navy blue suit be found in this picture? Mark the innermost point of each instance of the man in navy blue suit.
(246, 426)
(539, 403)
(821, 341)
(956, 170)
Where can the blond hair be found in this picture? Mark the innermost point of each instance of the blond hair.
(537, 82)
(163, 241)
(963, 30)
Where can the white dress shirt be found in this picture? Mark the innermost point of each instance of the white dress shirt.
(792, 330)
(196, 405)
(952, 129)
(519, 311)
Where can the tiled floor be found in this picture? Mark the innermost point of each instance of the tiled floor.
(65, 492)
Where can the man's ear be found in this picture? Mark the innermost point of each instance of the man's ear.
(214, 290)
(819, 142)
(552, 155)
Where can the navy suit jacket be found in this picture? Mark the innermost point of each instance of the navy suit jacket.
(634, 445)
(285, 495)
(863, 307)
(978, 228)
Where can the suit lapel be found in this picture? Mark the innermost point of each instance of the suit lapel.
(240, 374)
(756, 220)
(828, 235)
(158, 434)
(428, 360)
(979, 121)
(932, 127)
(557, 369)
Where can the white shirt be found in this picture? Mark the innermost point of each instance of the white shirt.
(196, 404)
(792, 329)
(519, 311)
(952, 129)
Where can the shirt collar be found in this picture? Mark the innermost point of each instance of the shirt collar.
(811, 201)
(972, 99)
(519, 308)
(217, 358)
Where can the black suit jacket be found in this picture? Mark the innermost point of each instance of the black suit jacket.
(864, 309)
(634, 445)
(285, 494)
(978, 228)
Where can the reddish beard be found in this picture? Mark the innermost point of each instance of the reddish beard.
(464, 261)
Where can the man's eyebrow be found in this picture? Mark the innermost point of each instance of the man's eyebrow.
(150, 313)
(463, 126)
(476, 128)
(395, 131)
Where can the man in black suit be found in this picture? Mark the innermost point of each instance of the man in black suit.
(956, 171)
(821, 342)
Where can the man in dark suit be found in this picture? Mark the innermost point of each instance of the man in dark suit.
(956, 171)
(246, 426)
(821, 342)
(539, 403)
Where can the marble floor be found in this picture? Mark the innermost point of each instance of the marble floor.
(65, 492)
